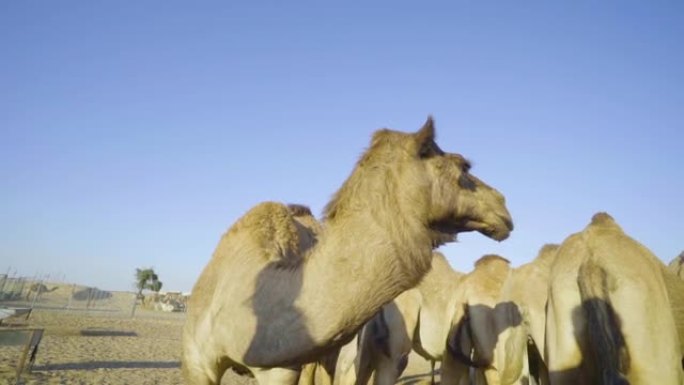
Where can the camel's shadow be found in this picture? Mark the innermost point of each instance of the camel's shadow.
(107, 333)
(95, 365)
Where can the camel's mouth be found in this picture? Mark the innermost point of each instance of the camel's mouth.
(499, 229)
(496, 231)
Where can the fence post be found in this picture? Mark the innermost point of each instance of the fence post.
(35, 297)
(90, 295)
(2, 287)
(73, 289)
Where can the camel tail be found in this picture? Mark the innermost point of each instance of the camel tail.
(606, 342)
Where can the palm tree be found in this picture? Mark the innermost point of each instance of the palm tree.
(146, 279)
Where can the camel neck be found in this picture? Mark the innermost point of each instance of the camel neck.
(358, 265)
(350, 276)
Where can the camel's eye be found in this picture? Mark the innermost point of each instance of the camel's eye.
(466, 166)
(466, 182)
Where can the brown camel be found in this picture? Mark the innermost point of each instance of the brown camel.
(269, 302)
(612, 314)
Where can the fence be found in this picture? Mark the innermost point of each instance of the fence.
(25, 292)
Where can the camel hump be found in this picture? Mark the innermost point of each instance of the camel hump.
(489, 259)
(299, 210)
(439, 258)
(490, 274)
(602, 218)
(547, 252)
(275, 233)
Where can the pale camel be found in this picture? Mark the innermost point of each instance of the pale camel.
(505, 308)
(474, 312)
(612, 312)
(488, 333)
(269, 302)
(417, 319)
(530, 291)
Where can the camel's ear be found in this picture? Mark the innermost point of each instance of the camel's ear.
(425, 138)
(427, 132)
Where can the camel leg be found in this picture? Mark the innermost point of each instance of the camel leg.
(198, 369)
(196, 376)
(308, 374)
(325, 372)
(388, 369)
(478, 376)
(432, 372)
(276, 376)
(492, 376)
(346, 366)
(453, 372)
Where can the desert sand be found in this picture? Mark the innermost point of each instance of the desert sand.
(82, 348)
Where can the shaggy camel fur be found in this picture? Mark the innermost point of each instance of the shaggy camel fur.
(417, 319)
(612, 311)
(269, 302)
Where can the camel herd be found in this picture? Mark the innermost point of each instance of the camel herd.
(344, 300)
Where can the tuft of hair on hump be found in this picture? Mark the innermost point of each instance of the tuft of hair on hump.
(491, 258)
(299, 210)
(273, 233)
(439, 259)
(601, 218)
(439, 255)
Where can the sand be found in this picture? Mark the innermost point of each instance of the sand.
(80, 348)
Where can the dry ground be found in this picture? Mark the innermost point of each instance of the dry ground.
(99, 348)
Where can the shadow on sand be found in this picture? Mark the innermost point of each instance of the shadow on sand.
(107, 333)
(94, 365)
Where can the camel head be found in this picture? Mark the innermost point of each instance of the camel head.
(460, 202)
(404, 176)
(407, 175)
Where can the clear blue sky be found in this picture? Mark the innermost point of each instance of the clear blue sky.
(133, 134)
